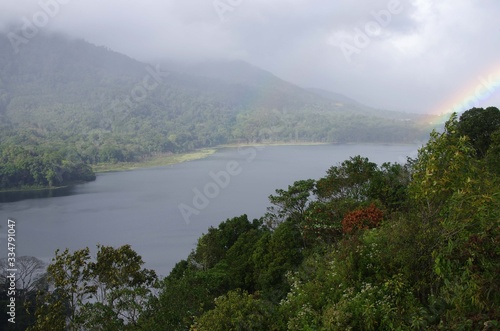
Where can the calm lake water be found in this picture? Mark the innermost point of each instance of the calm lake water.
(162, 211)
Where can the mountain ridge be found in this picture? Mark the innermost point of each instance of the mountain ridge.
(66, 105)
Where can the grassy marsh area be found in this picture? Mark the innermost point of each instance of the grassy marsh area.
(157, 161)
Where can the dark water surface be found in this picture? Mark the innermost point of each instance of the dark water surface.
(141, 207)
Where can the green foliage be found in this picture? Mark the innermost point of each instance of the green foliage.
(350, 180)
(108, 293)
(236, 310)
(389, 186)
(213, 246)
(313, 124)
(350, 288)
(222, 261)
(289, 204)
(274, 255)
(453, 190)
(446, 165)
(182, 299)
(479, 124)
(492, 158)
(322, 221)
(240, 265)
(29, 279)
(389, 306)
(39, 166)
(469, 263)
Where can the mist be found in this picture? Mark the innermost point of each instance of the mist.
(415, 56)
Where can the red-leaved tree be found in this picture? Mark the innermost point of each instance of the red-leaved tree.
(361, 219)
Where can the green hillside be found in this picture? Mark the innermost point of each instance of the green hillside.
(66, 105)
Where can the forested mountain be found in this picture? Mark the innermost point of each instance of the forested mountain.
(85, 104)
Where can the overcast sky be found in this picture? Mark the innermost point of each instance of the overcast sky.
(411, 55)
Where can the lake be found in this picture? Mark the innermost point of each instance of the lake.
(162, 211)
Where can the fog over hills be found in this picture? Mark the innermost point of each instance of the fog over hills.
(67, 105)
(58, 84)
(418, 58)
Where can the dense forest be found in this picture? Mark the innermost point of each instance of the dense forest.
(67, 105)
(366, 247)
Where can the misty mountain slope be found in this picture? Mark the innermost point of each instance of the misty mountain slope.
(333, 96)
(111, 107)
(55, 64)
(75, 71)
(267, 86)
(344, 102)
(240, 73)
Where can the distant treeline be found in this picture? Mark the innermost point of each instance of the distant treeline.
(38, 167)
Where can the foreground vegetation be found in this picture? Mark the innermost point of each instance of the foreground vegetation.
(367, 247)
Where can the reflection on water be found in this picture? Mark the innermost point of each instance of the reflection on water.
(36, 194)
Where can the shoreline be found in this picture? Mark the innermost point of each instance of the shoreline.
(311, 144)
(156, 161)
(272, 144)
(37, 188)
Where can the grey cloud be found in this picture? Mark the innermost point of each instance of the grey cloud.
(428, 52)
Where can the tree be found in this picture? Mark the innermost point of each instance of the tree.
(29, 270)
(362, 219)
(445, 165)
(29, 279)
(237, 310)
(291, 203)
(213, 246)
(492, 158)
(389, 185)
(107, 293)
(350, 180)
(479, 124)
(69, 275)
(181, 299)
(276, 253)
(240, 267)
(322, 221)
(121, 287)
(454, 194)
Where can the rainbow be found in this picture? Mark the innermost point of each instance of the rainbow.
(472, 95)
